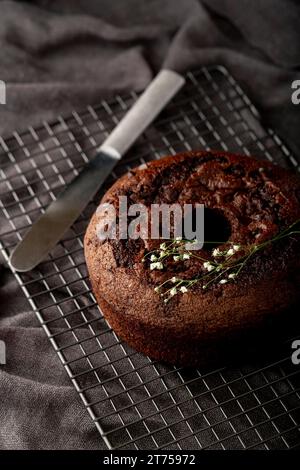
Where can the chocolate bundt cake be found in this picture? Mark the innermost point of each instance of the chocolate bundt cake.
(195, 307)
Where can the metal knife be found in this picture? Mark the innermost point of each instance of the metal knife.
(61, 213)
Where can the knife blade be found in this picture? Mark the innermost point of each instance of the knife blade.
(45, 233)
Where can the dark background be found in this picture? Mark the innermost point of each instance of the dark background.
(60, 55)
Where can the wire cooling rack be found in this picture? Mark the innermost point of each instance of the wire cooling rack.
(137, 403)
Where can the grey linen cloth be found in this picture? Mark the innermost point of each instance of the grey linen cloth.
(60, 55)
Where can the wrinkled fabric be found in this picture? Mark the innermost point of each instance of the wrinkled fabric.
(59, 55)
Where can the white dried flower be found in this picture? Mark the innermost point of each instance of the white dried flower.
(166, 301)
(232, 276)
(204, 287)
(230, 252)
(162, 246)
(173, 291)
(216, 252)
(174, 279)
(157, 265)
(153, 258)
(178, 239)
(176, 258)
(156, 289)
(236, 247)
(223, 281)
(162, 253)
(186, 256)
(183, 289)
(208, 266)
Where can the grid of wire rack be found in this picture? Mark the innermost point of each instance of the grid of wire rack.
(137, 403)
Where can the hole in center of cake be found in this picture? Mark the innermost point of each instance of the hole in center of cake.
(217, 228)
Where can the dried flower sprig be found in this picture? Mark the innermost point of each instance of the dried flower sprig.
(224, 267)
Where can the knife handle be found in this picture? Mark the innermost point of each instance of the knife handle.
(61, 213)
(161, 90)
